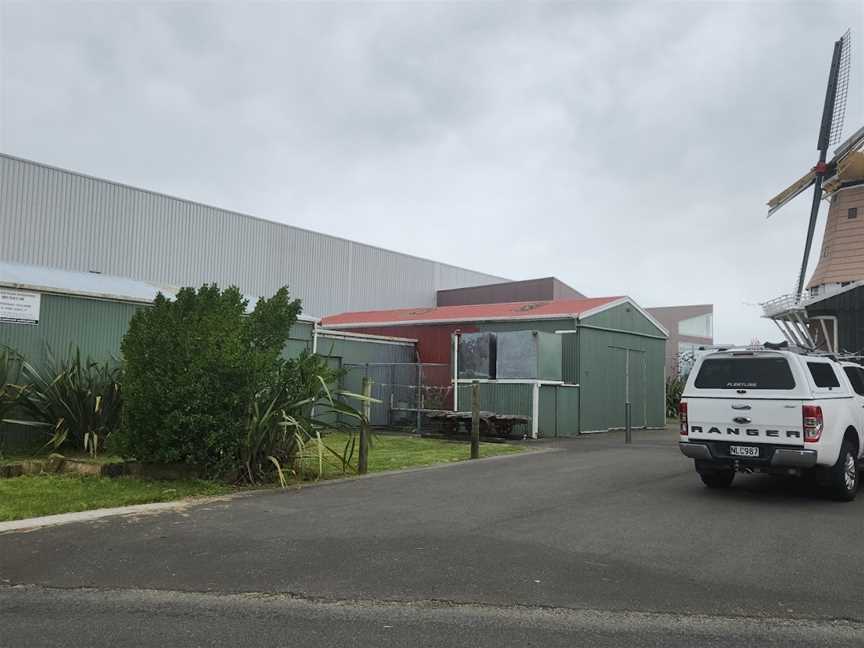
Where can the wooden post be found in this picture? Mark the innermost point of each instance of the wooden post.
(628, 423)
(475, 420)
(363, 456)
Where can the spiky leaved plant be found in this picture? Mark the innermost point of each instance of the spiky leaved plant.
(79, 399)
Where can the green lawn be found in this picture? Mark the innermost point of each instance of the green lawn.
(37, 495)
(389, 452)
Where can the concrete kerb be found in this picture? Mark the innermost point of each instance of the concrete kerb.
(32, 524)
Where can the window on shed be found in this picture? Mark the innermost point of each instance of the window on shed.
(853, 212)
(856, 377)
(745, 373)
(823, 374)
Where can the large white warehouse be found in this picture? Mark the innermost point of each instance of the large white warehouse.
(57, 218)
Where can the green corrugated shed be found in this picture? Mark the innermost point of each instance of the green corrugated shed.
(611, 345)
(612, 355)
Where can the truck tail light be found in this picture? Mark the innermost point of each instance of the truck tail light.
(813, 423)
(682, 416)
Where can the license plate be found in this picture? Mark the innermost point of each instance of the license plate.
(744, 451)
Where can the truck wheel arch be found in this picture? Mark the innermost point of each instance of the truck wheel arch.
(851, 435)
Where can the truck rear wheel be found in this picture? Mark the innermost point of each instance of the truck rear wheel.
(718, 478)
(843, 476)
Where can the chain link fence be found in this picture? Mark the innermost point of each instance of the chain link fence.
(405, 390)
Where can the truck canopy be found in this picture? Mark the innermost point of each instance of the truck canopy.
(764, 374)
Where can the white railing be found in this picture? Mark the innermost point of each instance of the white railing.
(783, 304)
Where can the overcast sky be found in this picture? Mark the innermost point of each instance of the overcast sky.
(626, 148)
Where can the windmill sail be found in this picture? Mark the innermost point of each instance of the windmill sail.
(795, 189)
(832, 124)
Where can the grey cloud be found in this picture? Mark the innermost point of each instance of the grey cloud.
(626, 148)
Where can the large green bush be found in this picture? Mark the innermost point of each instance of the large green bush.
(194, 366)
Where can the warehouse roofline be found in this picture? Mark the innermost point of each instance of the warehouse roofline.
(242, 214)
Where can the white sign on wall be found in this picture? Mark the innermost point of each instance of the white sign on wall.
(19, 307)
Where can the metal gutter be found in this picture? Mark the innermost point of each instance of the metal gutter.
(456, 320)
(77, 293)
(367, 337)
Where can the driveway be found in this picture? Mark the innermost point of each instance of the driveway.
(589, 543)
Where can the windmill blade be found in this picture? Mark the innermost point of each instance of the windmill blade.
(842, 88)
(814, 214)
(835, 106)
(796, 188)
(829, 129)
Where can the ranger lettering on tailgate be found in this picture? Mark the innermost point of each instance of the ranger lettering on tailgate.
(751, 432)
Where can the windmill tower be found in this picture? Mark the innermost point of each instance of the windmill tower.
(840, 181)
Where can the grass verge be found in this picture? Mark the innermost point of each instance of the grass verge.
(390, 452)
(38, 495)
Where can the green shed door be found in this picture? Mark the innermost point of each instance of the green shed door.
(626, 381)
(637, 388)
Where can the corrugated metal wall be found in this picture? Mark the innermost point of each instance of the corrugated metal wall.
(95, 326)
(559, 411)
(388, 380)
(567, 409)
(61, 219)
(601, 357)
(501, 398)
(434, 341)
(558, 405)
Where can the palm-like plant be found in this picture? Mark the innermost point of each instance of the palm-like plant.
(674, 389)
(79, 399)
(287, 420)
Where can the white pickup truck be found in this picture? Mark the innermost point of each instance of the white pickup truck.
(774, 411)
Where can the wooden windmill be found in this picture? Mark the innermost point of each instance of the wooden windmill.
(841, 181)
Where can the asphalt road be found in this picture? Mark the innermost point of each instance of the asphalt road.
(592, 543)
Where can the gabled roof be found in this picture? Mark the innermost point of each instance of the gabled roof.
(557, 309)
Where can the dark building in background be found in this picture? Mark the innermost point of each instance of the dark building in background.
(689, 327)
(545, 289)
(836, 321)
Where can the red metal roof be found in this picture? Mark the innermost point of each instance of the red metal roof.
(470, 313)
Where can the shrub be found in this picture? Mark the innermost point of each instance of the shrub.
(194, 366)
(674, 389)
(79, 400)
(300, 404)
